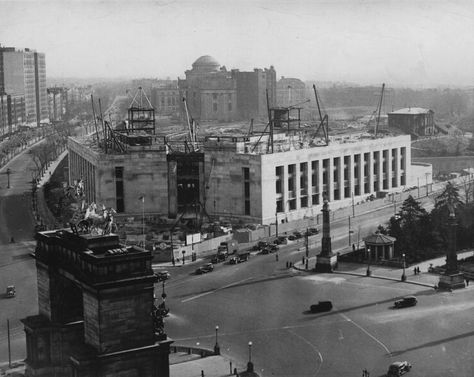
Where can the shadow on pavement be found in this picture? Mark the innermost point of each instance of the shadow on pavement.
(433, 343)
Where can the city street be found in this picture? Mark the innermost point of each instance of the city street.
(263, 302)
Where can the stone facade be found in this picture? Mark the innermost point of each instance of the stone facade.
(414, 120)
(239, 179)
(95, 302)
(215, 94)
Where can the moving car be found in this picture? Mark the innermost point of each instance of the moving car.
(321, 306)
(405, 302)
(208, 267)
(163, 275)
(11, 291)
(398, 368)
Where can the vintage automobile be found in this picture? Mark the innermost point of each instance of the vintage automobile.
(405, 302)
(163, 275)
(398, 368)
(10, 291)
(208, 267)
(321, 306)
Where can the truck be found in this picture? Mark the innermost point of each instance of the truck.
(227, 247)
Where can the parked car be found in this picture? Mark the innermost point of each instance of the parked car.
(292, 238)
(312, 231)
(244, 257)
(266, 250)
(262, 244)
(10, 291)
(208, 267)
(398, 368)
(274, 248)
(297, 235)
(163, 275)
(321, 306)
(405, 302)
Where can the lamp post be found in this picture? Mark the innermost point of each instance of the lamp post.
(217, 350)
(368, 273)
(276, 224)
(404, 277)
(8, 177)
(250, 364)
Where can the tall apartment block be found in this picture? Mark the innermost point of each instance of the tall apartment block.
(23, 96)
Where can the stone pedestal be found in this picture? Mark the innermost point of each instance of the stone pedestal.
(326, 263)
(452, 281)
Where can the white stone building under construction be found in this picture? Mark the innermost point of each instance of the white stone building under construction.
(240, 178)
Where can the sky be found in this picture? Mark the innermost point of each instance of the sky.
(402, 43)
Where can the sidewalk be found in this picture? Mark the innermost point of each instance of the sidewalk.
(181, 365)
(424, 278)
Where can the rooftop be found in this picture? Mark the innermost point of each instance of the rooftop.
(412, 110)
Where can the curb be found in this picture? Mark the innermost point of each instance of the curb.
(297, 267)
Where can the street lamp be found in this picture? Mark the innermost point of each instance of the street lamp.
(404, 277)
(8, 177)
(217, 350)
(250, 364)
(368, 273)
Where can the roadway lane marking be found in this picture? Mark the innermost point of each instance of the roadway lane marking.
(312, 346)
(367, 333)
(341, 337)
(215, 290)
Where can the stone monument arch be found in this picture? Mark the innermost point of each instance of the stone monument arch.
(95, 299)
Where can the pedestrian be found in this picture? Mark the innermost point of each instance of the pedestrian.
(467, 282)
(287, 266)
(173, 261)
(303, 260)
(418, 270)
(276, 257)
(414, 271)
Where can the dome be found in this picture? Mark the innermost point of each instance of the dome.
(206, 63)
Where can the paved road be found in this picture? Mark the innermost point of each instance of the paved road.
(263, 302)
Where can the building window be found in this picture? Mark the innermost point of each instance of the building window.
(303, 178)
(292, 204)
(279, 179)
(246, 176)
(279, 205)
(304, 201)
(119, 192)
(291, 181)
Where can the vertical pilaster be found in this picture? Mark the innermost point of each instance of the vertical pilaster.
(331, 179)
(389, 168)
(296, 177)
(308, 183)
(351, 175)
(360, 172)
(370, 168)
(285, 188)
(380, 170)
(340, 171)
(320, 180)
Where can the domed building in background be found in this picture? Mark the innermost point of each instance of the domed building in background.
(205, 64)
(215, 94)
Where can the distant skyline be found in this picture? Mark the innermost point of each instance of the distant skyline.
(402, 43)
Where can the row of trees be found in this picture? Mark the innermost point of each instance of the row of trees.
(423, 235)
(17, 142)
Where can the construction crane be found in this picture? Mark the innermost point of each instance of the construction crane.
(323, 121)
(192, 127)
(379, 108)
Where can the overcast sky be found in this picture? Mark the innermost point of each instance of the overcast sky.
(401, 43)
